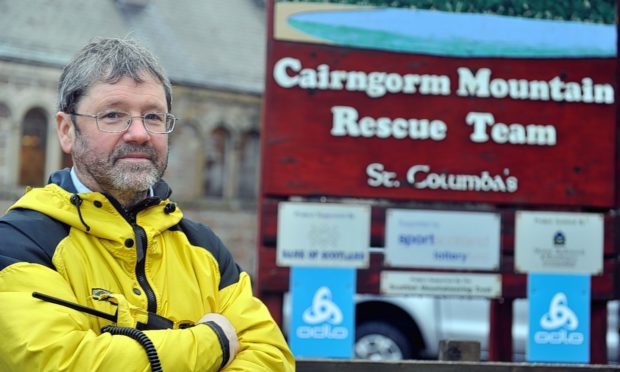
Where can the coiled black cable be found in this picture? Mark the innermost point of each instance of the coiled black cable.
(151, 352)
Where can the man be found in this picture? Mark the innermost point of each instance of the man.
(99, 270)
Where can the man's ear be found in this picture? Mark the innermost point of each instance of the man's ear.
(65, 131)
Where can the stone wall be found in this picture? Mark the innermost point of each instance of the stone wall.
(237, 229)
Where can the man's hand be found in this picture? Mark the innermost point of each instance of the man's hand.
(228, 331)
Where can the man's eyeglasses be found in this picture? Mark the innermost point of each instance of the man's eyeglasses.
(119, 121)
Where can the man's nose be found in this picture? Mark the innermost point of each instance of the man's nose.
(137, 131)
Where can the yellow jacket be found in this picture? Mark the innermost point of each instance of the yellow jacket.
(86, 249)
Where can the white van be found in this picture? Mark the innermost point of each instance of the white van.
(397, 327)
(410, 327)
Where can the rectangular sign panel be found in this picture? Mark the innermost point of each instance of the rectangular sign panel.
(323, 316)
(360, 103)
(559, 242)
(441, 284)
(442, 239)
(559, 318)
(323, 234)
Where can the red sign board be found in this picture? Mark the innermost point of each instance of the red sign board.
(435, 126)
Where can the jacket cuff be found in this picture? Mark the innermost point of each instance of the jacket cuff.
(221, 336)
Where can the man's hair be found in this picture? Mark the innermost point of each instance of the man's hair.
(107, 60)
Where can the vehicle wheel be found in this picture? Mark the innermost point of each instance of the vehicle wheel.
(380, 341)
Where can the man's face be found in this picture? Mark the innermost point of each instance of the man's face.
(127, 162)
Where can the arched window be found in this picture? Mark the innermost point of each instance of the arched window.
(249, 153)
(33, 142)
(185, 161)
(5, 114)
(215, 162)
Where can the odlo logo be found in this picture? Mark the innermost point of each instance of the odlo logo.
(323, 310)
(558, 324)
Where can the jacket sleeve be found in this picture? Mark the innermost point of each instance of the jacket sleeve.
(42, 336)
(262, 344)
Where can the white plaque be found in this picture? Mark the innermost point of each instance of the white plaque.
(442, 239)
(441, 284)
(559, 242)
(323, 234)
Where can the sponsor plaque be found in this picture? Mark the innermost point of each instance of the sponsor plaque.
(441, 284)
(442, 239)
(559, 242)
(323, 234)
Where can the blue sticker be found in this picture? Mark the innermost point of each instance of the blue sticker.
(323, 317)
(559, 318)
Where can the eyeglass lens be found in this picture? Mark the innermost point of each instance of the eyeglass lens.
(118, 121)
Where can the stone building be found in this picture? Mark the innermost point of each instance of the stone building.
(213, 51)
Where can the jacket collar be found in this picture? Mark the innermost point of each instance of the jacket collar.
(62, 178)
(97, 214)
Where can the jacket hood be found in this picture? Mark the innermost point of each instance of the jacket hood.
(99, 214)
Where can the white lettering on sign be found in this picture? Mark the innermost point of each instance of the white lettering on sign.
(441, 284)
(324, 331)
(346, 122)
(379, 177)
(559, 337)
(421, 177)
(481, 85)
(516, 134)
(288, 72)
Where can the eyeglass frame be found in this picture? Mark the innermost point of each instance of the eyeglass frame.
(129, 121)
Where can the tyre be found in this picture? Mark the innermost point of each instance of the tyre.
(377, 340)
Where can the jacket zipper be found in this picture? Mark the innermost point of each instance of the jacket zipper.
(141, 245)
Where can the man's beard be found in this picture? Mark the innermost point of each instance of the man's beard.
(119, 177)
